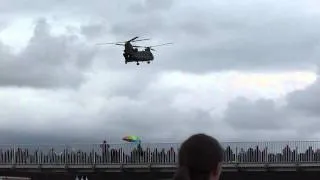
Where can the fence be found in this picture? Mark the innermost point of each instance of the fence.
(163, 153)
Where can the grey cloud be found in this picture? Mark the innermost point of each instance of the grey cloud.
(93, 30)
(47, 61)
(65, 7)
(306, 100)
(150, 119)
(3, 25)
(289, 46)
(284, 135)
(299, 118)
(304, 106)
(149, 25)
(232, 37)
(151, 116)
(35, 6)
(86, 115)
(260, 115)
(206, 40)
(150, 6)
(210, 36)
(33, 138)
(134, 86)
(154, 4)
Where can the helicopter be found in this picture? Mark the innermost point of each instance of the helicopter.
(131, 52)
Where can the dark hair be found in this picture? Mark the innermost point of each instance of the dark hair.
(199, 155)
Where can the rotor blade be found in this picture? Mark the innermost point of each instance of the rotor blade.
(133, 39)
(119, 44)
(103, 43)
(153, 49)
(109, 43)
(140, 40)
(139, 46)
(161, 44)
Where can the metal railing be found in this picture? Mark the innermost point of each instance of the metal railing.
(163, 153)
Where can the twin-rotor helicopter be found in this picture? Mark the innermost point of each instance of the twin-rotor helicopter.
(131, 52)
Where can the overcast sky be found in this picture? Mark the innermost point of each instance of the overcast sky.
(238, 70)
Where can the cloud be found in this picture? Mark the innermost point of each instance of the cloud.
(227, 74)
(306, 100)
(169, 107)
(208, 36)
(47, 61)
(93, 30)
(56, 115)
(259, 115)
(219, 36)
(296, 118)
(150, 6)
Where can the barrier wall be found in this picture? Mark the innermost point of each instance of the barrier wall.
(163, 153)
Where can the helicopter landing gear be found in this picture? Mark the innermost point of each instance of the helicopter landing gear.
(126, 62)
(138, 63)
(148, 62)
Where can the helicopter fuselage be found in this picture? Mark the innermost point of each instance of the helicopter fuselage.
(138, 56)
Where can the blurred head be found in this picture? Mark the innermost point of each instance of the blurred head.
(200, 158)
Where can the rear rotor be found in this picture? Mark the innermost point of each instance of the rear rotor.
(122, 43)
(154, 46)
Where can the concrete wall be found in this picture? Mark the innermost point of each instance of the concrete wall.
(271, 176)
(168, 176)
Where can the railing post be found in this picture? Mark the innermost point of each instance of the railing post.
(297, 154)
(14, 155)
(68, 156)
(65, 152)
(38, 156)
(93, 155)
(266, 154)
(236, 158)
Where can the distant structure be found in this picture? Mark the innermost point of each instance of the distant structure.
(82, 178)
(13, 178)
(113, 161)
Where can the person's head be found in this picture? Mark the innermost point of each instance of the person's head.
(200, 158)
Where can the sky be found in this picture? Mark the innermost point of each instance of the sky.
(237, 70)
